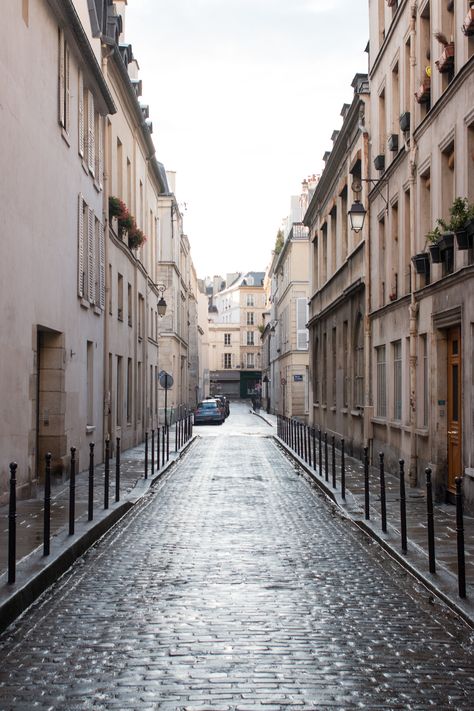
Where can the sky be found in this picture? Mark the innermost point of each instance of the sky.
(244, 96)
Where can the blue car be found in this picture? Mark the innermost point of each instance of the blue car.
(208, 413)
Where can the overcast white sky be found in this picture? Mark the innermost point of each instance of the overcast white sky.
(244, 96)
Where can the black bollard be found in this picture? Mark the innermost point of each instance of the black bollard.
(403, 507)
(117, 469)
(430, 521)
(313, 436)
(163, 445)
(106, 473)
(167, 444)
(146, 455)
(176, 438)
(333, 446)
(90, 502)
(320, 452)
(47, 505)
(383, 502)
(343, 471)
(460, 539)
(326, 462)
(12, 525)
(308, 437)
(304, 432)
(158, 433)
(366, 484)
(152, 451)
(72, 492)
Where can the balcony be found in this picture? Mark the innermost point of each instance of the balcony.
(299, 231)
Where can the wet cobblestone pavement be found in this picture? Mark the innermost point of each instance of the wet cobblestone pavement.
(235, 585)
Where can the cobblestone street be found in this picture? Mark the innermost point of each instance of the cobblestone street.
(235, 585)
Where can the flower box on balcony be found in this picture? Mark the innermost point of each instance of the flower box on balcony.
(468, 24)
(393, 142)
(379, 162)
(446, 62)
(421, 262)
(446, 241)
(424, 91)
(435, 252)
(405, 121)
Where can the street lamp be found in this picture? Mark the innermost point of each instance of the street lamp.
(161, 307)
(358, 212)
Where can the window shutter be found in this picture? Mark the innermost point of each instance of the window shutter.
(67, 119)
(90, 132)
(101, 267)
(81, 114)
(100, 150)
(301, 330)
(61, 77)
(90, 256)
(80, 260)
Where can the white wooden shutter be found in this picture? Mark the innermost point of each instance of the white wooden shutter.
(90, 132)
(301, 330)
(61, 117)
(100, 150)
(101, 267)
(80, 256)
(67, 94)
(90, 256)
(81, 114)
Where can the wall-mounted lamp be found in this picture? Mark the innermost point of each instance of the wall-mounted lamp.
(358, 212)
(161, 303)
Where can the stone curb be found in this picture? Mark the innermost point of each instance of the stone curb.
(432, 582)
(35, 573)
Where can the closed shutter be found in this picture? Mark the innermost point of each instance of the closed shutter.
(90, 256)
(61, 116)
(101, 267)
(100, 150)
(81, 114)
(67, 93)
(301, 330)
(80, 259)
(90, 132)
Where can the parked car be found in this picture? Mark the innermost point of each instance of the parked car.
(208, 412)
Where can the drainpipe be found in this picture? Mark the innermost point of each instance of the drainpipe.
(107, 395)
(413, 308)
(367, 435)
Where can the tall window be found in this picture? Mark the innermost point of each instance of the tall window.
(250, 338)
(90, 383)
(397, 380)
(250, 318)
(227, 339)
(91, 256)
(426, 389)
(301, 320)
(63, 82)
(119, 392)
(316, 378)
(359, 363)
(381, 382)
(334, 366)
(120, 297)
(250, 300)
(139, 390)
(345, 346)
(250, 360)
(324, 371)
(129, 390)
(227, 360)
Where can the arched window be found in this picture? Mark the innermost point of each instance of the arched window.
(359, 362)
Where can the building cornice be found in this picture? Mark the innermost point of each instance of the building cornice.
(352, 289)
(388, 37)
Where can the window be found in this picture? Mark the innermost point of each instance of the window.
(250, 360)
(119, 392)
(324, 371)
(110, 289)
(345, 345)
(250, 318)
(250, 338)
(129, 390)
(139, 391)
(359, 363)
(227, 360)
(91, 256)
(227, 339)
(397, 380)
(129, 304)
(426, 391)
(63, 82)
(141, 315)
(90, 383)
(381, 382)
(334, 366)
(301, 319)
(250, 300)
(120, 297)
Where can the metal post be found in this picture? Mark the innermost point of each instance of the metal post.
(152, 451)
(333, 445)
(403, 507)
(305, 442)
(72, 492)
(383, 503)
(90, 502)
(158, 433)
(313, 436)
(47, 505)
(117, 469)
(106, 473)
(12, 525)
(163, 445)
(176, 441)
(308, 436)
(366, 484)
(460, 539)
(326, 463)
(146, 455)
(167, 444)
(320, 453)
(430, 521)
(343, 471)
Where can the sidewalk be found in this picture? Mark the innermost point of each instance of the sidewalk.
(35, 572)
(444, 583)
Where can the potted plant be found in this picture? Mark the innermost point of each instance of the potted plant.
(136, 238)
(423, 94)
(468, 24)
(446, 62)
(462, 222)
(405, 121)
(393, 142)
(421, 262)
(125, 223)
(433, 238)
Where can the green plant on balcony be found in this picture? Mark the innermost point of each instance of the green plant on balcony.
(136, 238)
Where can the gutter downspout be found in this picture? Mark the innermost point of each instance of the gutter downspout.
(367, 435)
(413, 308)
(106, 426)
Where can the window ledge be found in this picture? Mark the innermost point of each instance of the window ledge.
(324, 407)
(84, 303)
(396, 425)
(97, 310)
(379, 421)
(90, 429)
(66, 136)
(357, 413)
(344, 410)
(422, 432)
(333, 408)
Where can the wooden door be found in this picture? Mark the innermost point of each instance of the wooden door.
(454, 407)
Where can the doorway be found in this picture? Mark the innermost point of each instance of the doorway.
(454, 409)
